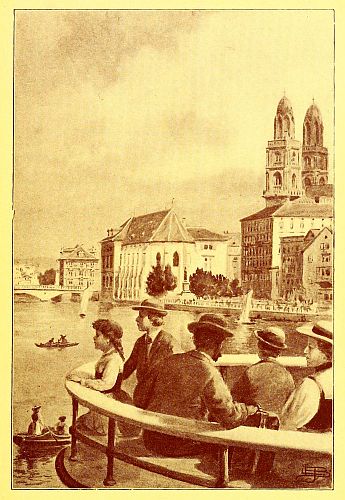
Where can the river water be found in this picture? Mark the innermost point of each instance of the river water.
(38, 374)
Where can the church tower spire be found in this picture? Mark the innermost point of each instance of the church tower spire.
(283, 159)
(314, 155)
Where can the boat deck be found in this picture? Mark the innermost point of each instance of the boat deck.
(198, 472)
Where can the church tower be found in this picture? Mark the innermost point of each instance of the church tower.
(314, 155)
(283, 159)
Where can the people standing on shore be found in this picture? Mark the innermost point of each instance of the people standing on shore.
(189, 385)
(108, 371)
(150, 349)
(309, 407)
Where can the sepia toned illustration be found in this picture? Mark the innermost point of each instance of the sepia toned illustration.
(173, 244)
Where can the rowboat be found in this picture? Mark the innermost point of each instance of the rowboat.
(47, 439)
(56, 345)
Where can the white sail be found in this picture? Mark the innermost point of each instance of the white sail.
(85, 301)
(247, 306)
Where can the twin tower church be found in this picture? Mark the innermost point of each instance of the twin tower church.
(269, 254)
(290, 167)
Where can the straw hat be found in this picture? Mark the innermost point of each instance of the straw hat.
(322, 330)
(151, 306)
(272, 336)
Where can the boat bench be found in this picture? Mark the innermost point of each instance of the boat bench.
(191, 470)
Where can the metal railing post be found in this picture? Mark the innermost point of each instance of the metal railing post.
(73, 430)
(109, 480)
(223, 462)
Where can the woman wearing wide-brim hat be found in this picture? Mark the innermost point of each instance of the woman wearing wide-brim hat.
(310, 406)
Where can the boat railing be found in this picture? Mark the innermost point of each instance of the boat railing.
(206, 432)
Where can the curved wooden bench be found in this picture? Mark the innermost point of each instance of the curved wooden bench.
(207, 432)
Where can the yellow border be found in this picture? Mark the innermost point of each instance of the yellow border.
(6, 33)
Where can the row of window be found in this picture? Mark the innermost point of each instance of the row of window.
(78, 263)
(257, 251)
(256, 226)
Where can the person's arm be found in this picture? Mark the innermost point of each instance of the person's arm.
(109, 376)
(222, 407)
(132, 362)
(301, 406)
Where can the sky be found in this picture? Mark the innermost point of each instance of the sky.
(117, 113)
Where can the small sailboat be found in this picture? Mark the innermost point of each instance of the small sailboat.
(246, 308)
(85, 301)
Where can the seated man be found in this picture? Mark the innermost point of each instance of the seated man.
(267, 382)
(310, 405)
(189, 385)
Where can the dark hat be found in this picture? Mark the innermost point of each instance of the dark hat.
(63, 418)
(322, 330)
(151, 306)
(214, 324)
(36, 407)
(272, 336)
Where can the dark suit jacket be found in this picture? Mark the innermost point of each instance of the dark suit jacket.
(163, 345)
(189, 385)
(266, 383)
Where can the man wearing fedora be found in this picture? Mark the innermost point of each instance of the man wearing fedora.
(150, 349)
(310, 405)
(266, 382)
(189, 385)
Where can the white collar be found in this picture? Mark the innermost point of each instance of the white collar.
(207, 356)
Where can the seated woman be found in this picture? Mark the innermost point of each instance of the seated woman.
(310, 405)
(108, 371)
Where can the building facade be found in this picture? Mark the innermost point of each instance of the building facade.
(210, 252)
(283, 159)
(318, 268)
(289, 213)
(314, 154)
(77, 267)
(128, 254)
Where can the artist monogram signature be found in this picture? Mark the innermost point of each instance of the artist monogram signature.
(311, 473)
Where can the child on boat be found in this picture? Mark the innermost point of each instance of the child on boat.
(61, 426)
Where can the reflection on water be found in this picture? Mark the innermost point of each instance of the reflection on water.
(35, 469)
(39, 373)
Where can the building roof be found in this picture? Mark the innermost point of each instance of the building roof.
(156, 226)
(309, 241)
(325, 190)
(313, 112)
(118, 234)
(76, 253)
(284, 106)
(304, 207)
(203, 234)
(262, 214)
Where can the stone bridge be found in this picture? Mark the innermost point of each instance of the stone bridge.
(46, 292)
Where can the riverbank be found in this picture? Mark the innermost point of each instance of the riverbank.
(285, 314)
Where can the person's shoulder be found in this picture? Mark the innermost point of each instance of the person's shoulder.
(168, 338)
